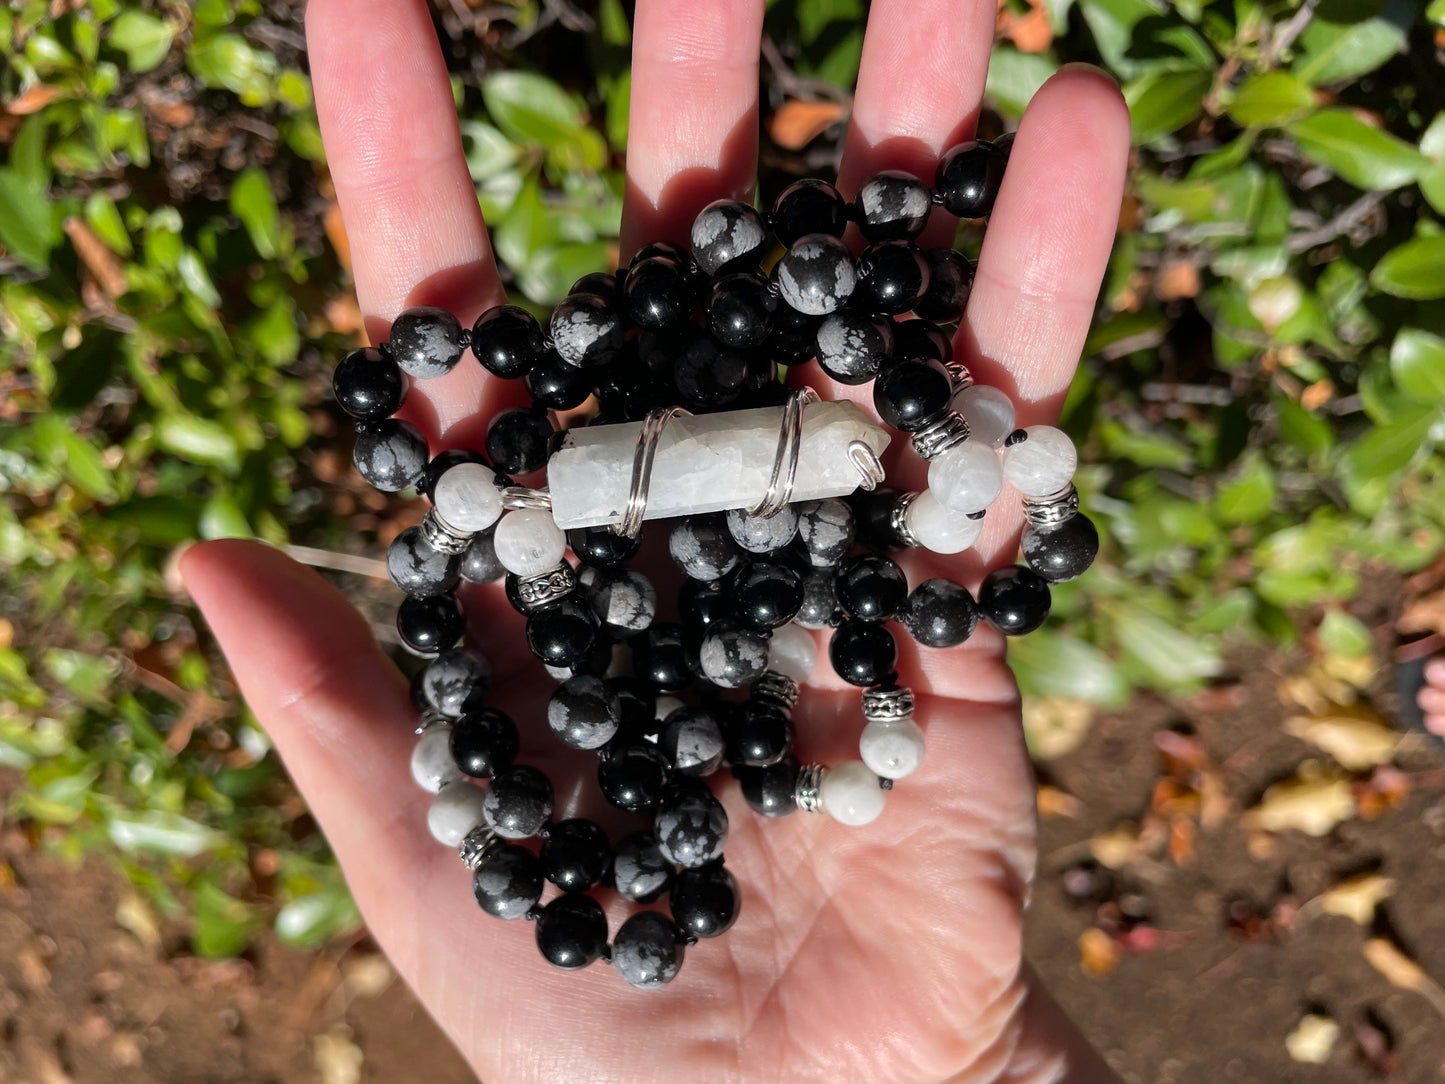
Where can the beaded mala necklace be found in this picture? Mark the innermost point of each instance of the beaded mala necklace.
(775, 490)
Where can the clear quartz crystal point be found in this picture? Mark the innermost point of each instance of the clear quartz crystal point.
(706, 463)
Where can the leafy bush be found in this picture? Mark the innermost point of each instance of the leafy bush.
(1260, 401)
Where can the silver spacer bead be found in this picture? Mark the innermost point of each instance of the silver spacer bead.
(517, 497)
(441, 535)
(881, 705)
(779, 688)
(430, 720)
(808, 791)
(480, 842)
(1054, 509)
(547, 586)
(898, 519)
(948, 432)
(959, 374)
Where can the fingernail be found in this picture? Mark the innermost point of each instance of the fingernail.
(1093, 69)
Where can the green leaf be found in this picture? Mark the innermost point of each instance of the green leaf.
(227, 60)
(1342, 634)
(196, 279)
(1015, 77)
(223, 925)
(310, 921)
(1363, 155)
(144, 39)
(28, 227)
(532, 108)
(1432, 180)
(1436, 12)
(253, 203)
(1415, 269)
(1249, 497)
(547, 275)
(199, 440)
(102, 216)
(160, 832)
(1297, 425)
(1163, 102)
(1329, 52)
(1417, 362)
(78, 460)
(1171, 657)
(222, 518)
(162, 521)
(1056, 664)
(86, 676)
(1270, 98)
(1390, 446)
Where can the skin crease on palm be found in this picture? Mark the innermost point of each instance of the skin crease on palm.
(884, 953)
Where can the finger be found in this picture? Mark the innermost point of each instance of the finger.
(415, 227)
(692, 124)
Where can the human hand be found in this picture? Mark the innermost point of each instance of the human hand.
(883, 953)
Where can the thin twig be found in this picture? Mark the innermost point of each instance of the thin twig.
(798, 86)
(1343, 223)
(338, 562)
(1282, 40)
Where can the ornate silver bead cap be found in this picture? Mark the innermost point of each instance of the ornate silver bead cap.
(1054, 509)
(948, 432)
(547, 586)
(441, 535)
(808, 791)
(479, 843)
(777, 688)
(898, 519)
(881, 704)
(959, 374)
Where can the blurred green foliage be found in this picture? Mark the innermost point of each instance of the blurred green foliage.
(1259, 404)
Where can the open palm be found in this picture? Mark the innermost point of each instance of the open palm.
(889, 952)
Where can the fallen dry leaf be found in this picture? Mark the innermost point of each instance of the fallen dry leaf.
(1098, 953)
(135, 916)
(1181, 842)
(1317, 395)
(33, 99)
(1424, 614)
(1357, 898)
(1355, 735)
(796, 123)
(103, 264)
(338, 1059)
(1117, 847)
(368, 975)
(1177, 279)
(1053, 802)
(1055, 725)
(1312, 1039)
(1399, 970)
(1030, 32)
(1313, 801)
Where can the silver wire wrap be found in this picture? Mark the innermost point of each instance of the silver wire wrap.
(777, 688)
(545, 587)
(885, 705)
(479, 842)
(898, 519)
(429, 720)
(868, 464)
(960, 376)
(517, 497)
(441, 535)
(933, 440)
(1054, 509)
(642, 457)
(785, 459)
(808, 791)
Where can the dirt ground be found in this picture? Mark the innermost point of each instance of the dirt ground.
(1222, 953)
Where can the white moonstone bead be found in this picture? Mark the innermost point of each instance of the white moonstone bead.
(938, 529)
(988, 411)
(528, 542)
(892, 748)
(792, 652)
(966, 478)
(850, 793)
(432, 765)
(467, 497)
(1043, 464)
(454, 812)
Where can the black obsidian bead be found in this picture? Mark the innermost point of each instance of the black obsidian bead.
(596, 282)
(892, 276)
(920, 339)
(555, 385)
(647, 950)
(640, 871)
(575, 854)
(820, 608)
(893, 206)
(862, 652)
(587, 330)
(950, 281)
(816, 275)
(758, 734)
(692, 740)
(660, 248)
(826, 531)
(765, 595)
(443, 462)
(571, 931)
(507, 881)
(562, 634)
(727, 234)
(873, 519)
(700, 603)
(507, 341)
(390, 454)
(968, 179)
(518, 801)
(657, 293)
(368, 384)
(430, 625)
(634, 776)
(704, 902)
(583, 712)
(426, 342)
(479, 561)
(808, 206)
(769, 790)
(455, 682)
(518, 440)
(871, 588)
(602, 547)
(1004, 144)
(691, 825)
(740, 311)
(703, 547)
(1062, 552)
(939, 613)
(419, 569)
(732, 657)
(638, 701)
(852, 345)
(795, 335)
(910, 394)
(623, 599)
(1014, 599)
(484, 742)
(709, 375)
(660, 657)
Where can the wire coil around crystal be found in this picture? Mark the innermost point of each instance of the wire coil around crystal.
(785, 459)
(646, 451)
